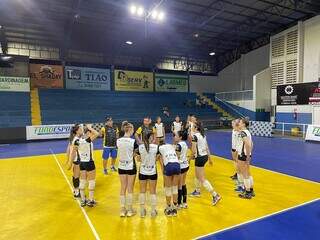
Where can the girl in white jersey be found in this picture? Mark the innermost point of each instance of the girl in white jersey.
(159, 130)
(182, 149)
(148, 173)
(244, 150)
(234, 139)
(75, 163)
(171, 169)
(202, 154)
(127, 169)
(82, 147)
(176, 125)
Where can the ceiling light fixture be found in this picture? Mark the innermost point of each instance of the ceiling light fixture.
(212, 53)
(129, 42)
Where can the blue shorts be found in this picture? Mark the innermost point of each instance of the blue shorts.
(109, 152)
(172, 169)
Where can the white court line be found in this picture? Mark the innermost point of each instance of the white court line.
(268, 170)
(257, 219)
(4, 145)
(82, 209)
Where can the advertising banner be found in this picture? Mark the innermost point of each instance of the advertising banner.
(87, 78)
(48, 131)
(171, 83)
(46, 76)
(133, 81)
(313, 133)
(298, 94)
(15, 84)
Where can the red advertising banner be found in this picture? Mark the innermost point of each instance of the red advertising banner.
(46, 76)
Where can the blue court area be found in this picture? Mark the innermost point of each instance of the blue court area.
(292, 157)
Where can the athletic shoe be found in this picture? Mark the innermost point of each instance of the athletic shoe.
(91, 203)
(180, 206)
(143, 212)
(195, 193)
(184, 205)
(245, 195)
(216, 199)
(234, 177)
(131, 213)
(83, 203)
(177, 206)
(154, 213)
(167, 211)
(174, 212)
(113, 168)
(252, 193)
(239, 189)
(123, 212)
(105, 171)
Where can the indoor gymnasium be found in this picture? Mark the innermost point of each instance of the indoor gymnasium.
(160, 119)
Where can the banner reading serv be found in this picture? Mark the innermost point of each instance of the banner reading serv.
(15, 84)
(133, 81)
(87, 78)
(46, 76)
(171, 83)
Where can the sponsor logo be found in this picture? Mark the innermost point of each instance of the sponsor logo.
(52, 130)
(288, 90)
(74, 74)
(48, 72)
(316, 131)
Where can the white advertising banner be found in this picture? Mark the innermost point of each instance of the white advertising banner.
(48, 131)
(14, 84)
(313, 133)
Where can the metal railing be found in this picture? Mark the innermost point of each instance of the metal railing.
(228, 107)
(290, 129)
(235, 95)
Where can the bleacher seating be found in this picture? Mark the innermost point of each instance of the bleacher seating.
(70, 106)
(14, 109)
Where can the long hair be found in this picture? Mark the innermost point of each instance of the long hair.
(146, 140)
(183, 135)
(199, 127)
(126, 126)
(73, 132)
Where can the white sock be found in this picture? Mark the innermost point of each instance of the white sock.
(240, 179)
(82, 194)
(129, 200)
(142, 199)
(207, 185)
(251, 181)
(122, 201)
(197, 184)
(91, 192)
(247, 183)
(153, 199)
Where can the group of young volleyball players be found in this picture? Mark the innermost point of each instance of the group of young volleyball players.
(145, 147)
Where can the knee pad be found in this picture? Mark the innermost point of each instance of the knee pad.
(82, 184)
(91, 185)
(168, 191)
(76, 182)
(174, 190)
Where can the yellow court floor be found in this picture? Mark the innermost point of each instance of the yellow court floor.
(36, 203)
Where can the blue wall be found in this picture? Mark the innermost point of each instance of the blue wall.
(258, 116)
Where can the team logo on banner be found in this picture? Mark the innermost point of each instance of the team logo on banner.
(171, 83)
(46, 76)
(87, 78)
(15, 84)
(133, 81)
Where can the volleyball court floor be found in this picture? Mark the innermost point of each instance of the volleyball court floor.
(36, 200)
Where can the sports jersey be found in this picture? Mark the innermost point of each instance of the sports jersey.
(159, 129)
(144, 130)
(182, 147)
(201, 143)
(109, 136)
(85, 148)
(240, 143)
(126, 146)
(176, 126)
(168, 154)
(148, 159)
(235, 138)
(190, 129)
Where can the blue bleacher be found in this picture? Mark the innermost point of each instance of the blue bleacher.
(14, 109)
(69, 106)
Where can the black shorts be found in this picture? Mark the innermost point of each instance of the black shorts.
(87, 166)
(127, 172)
(148, 177)
(242, 157)
(183, 170)
(233, 150)
(201, 161)
(76, 162)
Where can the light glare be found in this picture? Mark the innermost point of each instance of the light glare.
(154, 14)
(133, 9)
(129, 42)
(140, 11)
(212, 53)
(161, 16)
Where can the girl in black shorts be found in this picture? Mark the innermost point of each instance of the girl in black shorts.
(127, 169)
(82, 147)
(202, 154)
(148, 173)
